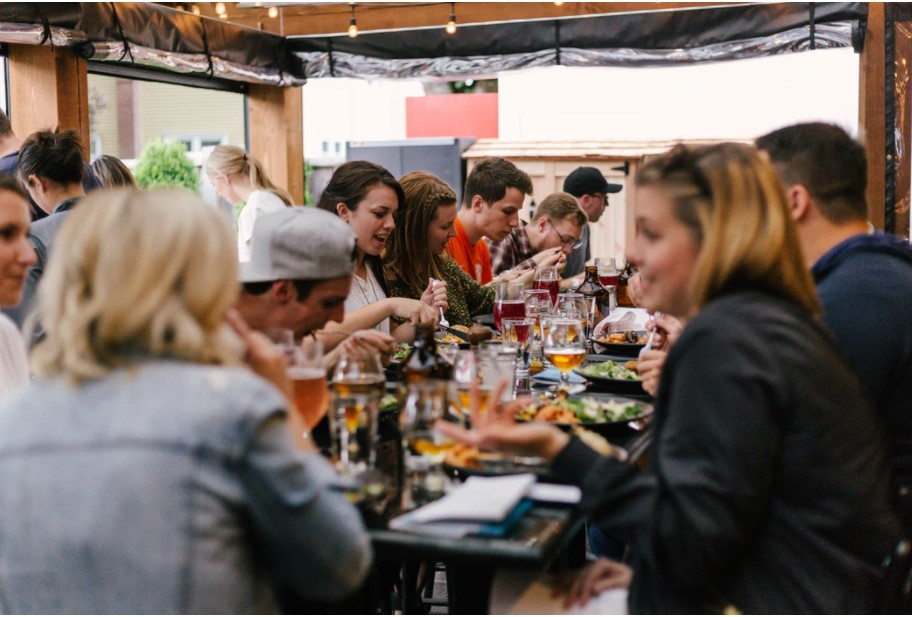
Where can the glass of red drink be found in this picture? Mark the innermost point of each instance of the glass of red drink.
(548, 278)
(608, 272)
(508, 303)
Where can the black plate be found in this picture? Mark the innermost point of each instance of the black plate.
(606, 384)
(628, 350)
(485, 320)
(505, 468)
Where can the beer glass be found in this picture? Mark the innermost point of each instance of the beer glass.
(517, 337)
(358, 385)
(308, 379)
(565, 347)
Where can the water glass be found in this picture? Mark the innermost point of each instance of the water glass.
(572, 305)
(425, 404)
(517, 338)
(466, 373)
(497, 365)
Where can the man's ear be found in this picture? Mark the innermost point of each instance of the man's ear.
(283, 292)
(541, 225)
(800, 201)
(477, 203)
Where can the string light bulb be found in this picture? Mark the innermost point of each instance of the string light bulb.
(451, 25)
(352, 25)
(273, 12)
(196, 9)
(558, 4)
(220, 8)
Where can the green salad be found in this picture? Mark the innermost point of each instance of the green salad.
(402, 351)
(609, 370)
(581, 410)
(389, 402)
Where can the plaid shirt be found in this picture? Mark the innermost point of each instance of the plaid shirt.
(513, 252)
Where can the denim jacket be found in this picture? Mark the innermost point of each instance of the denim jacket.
(167, 487)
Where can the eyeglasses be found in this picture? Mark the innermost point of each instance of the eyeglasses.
(570, 241)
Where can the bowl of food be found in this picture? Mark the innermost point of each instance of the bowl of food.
(463, 460)
(625, 343)
(613, 375)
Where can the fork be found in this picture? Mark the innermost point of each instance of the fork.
(648, 344)
(443, 323)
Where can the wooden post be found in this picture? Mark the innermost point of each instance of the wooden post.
(871, 123)
(49, 88)
(276, 134)
(903, 126)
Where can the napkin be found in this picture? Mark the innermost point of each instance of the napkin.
(622, 319)
(483, 506)
(552, 375)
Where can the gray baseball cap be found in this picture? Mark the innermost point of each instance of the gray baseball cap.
(299, 243)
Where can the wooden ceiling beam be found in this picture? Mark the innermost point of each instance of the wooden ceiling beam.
(325, 19)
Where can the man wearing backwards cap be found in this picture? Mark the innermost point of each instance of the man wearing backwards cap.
(591, 189)
(299, 274)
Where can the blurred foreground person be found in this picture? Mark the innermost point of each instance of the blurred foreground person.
(148, 471)
(768, 490)
(864, 279)
(112, 173)
(16, 255)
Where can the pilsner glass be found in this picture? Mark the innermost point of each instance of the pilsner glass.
(565, 347)
(308, 379)
(358, 385)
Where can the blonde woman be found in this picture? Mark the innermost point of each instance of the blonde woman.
(112, 173)
(239, 176)
(768, 490)
(154, 459)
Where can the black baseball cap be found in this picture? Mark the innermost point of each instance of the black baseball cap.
(588, 180)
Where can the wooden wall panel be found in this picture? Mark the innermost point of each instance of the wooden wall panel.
(903, 134)
(276, 135)
(871, 123)
(48, 88)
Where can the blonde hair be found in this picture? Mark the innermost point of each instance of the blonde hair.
(133, 274)
(731, 199)
(226, 160)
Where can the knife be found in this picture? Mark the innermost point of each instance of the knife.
(458, 333)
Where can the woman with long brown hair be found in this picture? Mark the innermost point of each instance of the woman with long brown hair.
(410, 262)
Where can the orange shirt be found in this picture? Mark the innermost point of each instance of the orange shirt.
(473, 259)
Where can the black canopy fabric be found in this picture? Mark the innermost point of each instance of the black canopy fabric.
(642, 39)
(153, 35)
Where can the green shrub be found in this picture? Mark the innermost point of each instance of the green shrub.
(165, 164)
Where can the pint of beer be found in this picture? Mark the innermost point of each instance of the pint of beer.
(308, 377)
(311, 395)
